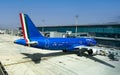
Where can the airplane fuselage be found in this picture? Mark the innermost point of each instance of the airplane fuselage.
(59, 43)
(33, 38)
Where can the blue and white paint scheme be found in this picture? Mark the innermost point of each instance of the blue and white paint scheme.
(33, 38)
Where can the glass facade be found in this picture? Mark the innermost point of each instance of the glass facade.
(98, 30)
(108, 31)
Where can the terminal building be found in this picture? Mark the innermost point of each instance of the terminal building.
(105, 34)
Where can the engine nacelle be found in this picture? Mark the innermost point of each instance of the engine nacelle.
(92, 51)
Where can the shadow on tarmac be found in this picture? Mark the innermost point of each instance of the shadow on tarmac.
(98, 60)
(36, 57)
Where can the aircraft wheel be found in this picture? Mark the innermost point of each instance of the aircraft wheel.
(79, 53)
(64, 50)
(90, 52)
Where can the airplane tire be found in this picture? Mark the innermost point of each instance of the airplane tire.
(90, 52)
(64, 50)
(79, 53)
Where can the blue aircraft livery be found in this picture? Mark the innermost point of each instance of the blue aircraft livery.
(33, 38)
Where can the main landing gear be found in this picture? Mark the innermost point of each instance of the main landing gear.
(64, 50)
(81, 52)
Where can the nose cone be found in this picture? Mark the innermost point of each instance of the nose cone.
(20, 41)
(94, 42)
(91, 42)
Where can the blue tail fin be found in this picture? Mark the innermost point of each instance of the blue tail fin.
(28, 27)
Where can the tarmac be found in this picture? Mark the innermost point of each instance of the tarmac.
(22, 60)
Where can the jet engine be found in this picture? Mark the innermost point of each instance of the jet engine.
(92, 51)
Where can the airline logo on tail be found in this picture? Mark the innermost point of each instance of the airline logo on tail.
(24, 28)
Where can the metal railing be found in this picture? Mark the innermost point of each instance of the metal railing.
(2, 70)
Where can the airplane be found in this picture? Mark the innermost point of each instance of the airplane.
(33, 38)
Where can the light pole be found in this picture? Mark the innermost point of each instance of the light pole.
(76, 23)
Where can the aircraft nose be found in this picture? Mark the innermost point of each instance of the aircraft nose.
(94, 42)
(91, 42)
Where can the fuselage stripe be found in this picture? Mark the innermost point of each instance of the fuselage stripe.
(27, 32)
(24, 28)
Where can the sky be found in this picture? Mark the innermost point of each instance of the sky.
(59, 12)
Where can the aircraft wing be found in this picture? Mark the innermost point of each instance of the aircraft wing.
(82, 47)
(92, 49)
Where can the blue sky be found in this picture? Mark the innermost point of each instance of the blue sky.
(59, 12)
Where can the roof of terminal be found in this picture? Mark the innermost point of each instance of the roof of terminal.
(80, 25)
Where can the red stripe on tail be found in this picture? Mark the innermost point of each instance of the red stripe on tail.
(23, 31)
